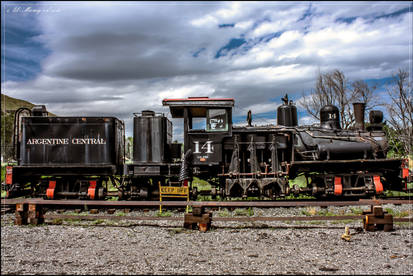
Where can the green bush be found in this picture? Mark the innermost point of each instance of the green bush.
(164, 214)
(223, 213)
(244, 212)
(3, 172)
(200, 184)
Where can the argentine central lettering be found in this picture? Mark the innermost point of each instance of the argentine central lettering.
(66, 141)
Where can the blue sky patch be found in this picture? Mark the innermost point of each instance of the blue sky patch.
(226, 25)
(347, 20)
(307, 14)
(196, 54)
(351, 19)
(379, 83)
(232, 44)
(17, 70)
(245, 45)
(396, 13)
(21, 52)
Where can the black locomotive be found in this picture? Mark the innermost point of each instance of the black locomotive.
(66, 157)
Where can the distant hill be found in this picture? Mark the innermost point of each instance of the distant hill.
(11, 104)
(8, 107)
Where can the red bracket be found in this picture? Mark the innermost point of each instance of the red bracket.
(405, 172)
(377, 184)
(9, 175)
(91, 191)
(51, 189)
(338, 187)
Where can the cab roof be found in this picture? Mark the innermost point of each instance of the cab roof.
(197, 105)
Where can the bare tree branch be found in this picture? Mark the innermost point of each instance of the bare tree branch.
(400, 110)
(334, 88)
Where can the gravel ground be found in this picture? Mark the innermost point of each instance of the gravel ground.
(164, 247)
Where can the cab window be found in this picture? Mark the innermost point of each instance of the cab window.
(217, 120)
(198, 124)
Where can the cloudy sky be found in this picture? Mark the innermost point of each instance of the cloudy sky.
(117, 58)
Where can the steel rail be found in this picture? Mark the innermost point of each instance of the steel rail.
(239, 219)
(113, 217)
(228, 204)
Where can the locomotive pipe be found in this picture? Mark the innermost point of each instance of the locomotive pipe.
(64, 194)
(21, 112)
(112, 193)
(340, 149)
(74, 194)
(359, 109)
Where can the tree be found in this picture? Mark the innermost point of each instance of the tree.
(333, 88)
(129, 148)
(7, 120)
(400, 111)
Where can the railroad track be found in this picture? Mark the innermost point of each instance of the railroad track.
(238, 219)
(9, 203)
(5, 210)
(33, 210)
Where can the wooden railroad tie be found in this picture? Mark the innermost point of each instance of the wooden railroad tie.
(198, 219)
(29, 214)
(377, 219)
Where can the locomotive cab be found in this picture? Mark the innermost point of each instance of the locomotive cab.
(206, 123)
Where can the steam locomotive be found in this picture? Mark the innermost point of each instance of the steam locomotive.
(76, 157)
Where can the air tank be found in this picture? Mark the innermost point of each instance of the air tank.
(330, 117)
(152, 133)
(376, 117)
(376, 120)
(287, 113)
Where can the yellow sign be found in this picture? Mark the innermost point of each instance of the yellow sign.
(174, 190)
(170, 191)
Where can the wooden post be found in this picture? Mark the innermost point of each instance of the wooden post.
(198, 219)
(21, 214)
(377, 219)
(35, 214)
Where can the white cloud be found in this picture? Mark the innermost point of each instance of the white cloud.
(232, 10)
(307, 120)
(244, 25)
(260, 108)
(187, 91)
(206, 21)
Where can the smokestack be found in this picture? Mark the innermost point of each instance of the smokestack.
(359, 109)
